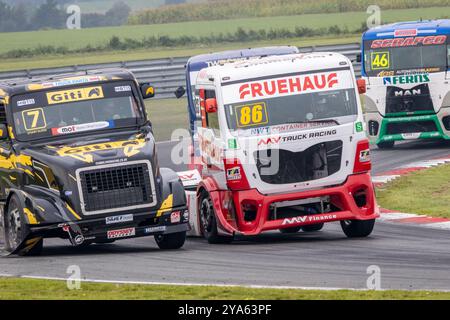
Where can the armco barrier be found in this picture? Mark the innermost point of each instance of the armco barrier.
(165, 74)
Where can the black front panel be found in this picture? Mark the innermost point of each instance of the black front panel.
(279, 166)
(400, 100)
(411, 127)
(116, 187)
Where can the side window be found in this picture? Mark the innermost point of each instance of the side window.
(2, 113)
(212, 119)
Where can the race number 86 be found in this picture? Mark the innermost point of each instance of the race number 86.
(251, 115)
(380, 60)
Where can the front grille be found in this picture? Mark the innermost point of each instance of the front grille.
(400, 100)
(279, 166)
(411, 127)
(109, 189)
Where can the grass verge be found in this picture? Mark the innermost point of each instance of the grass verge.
(31, 289)
(167, 115)
(422, 192)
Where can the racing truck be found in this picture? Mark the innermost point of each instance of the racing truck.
(281, 146)
(78, 162)
(405, 66)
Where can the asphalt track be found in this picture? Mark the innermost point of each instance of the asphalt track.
(409, 257)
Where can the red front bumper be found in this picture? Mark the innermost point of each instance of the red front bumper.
(341, 196)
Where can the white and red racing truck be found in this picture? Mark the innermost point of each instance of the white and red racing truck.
(282, 146)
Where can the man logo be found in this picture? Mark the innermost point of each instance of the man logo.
(75, 95)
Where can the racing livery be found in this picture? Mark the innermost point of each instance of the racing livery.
(282, 146)
(77, 161)
(405, 67)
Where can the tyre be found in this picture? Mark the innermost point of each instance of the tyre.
(290, 230)
(386, 145)
(171, 241)
(16, 228)
(357, 228)
(313, 227)
(208, 222)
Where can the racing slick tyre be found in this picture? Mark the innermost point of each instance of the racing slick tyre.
(386, 145)
(290, 230)
(313, 227)
(208, 222)
(16, 228)
(171, 241)
(357, 228)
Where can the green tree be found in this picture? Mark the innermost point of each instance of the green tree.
(49, 15)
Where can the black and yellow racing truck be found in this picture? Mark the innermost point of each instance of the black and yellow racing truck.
(78, 161)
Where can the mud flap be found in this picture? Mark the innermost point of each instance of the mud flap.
(190, 180)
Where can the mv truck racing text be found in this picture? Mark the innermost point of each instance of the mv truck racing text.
(77, 161)
(279, 145)
(405, 66)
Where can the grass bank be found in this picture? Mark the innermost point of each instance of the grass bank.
(422, 192)
(31, 289)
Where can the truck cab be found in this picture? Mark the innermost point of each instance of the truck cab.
(282, 147)
(78, 161)
(405, 66)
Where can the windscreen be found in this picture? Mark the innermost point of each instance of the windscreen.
(305, 101)
(62, 112)
(388, 57)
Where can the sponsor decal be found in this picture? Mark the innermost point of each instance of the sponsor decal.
(122, 89)
(72, 81)
(80, 94)
(175, 217)
(312, 218)
(364, 155)
(301, 136)
(406, 79)
(26, 102)
(121, 233)
(287, 128)
(232, 144)
(82, 153)
(359, 127)
(234, 173)
(119, 219)
(79, 239)
(405, 33)
(408, 42)
(411, 136)
(288, 85)
(190, 178)
(155, 229)
(82, 127)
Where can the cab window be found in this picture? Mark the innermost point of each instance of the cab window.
(212, 119)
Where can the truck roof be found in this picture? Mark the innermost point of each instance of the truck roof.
(22, 85)
(424, 28)
(274, 65)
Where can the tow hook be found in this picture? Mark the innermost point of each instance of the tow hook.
(75, 235)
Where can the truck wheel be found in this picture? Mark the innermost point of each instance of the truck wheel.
(290, 230)
(313, 227)
(357, 228)
(208, 222)
(171, 241)
(16, 228)
(386, 145)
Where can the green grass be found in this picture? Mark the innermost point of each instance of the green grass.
(167, 115)
(422, 192)
(31, 289)
(101, 6)
(114, 56)
(75, 39)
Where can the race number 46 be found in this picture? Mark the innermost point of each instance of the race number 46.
(251, 115)
(380, 60)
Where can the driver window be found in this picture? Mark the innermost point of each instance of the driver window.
(2, 113)
(212, 119)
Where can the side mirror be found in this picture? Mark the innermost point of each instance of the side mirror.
(361, 86)
(3, 132)
(358, 58)
(180, 92)
(211, 105)
(147, 91)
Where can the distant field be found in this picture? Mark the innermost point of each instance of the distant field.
(167, 115)
(100, 6)
(74, 39)
(76, 59)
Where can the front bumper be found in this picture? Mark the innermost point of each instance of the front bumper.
(341, 197)
(98, 230)
(378, 127)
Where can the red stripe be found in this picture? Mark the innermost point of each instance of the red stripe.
(421, 220)
(382, 210)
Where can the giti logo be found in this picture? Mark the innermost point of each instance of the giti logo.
(75, 95)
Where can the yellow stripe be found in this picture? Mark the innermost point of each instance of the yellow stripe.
(73, 212)
(165, 206)
(31, 218)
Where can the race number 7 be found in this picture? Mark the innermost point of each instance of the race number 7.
(251, 115)
(34, 119)
(380, 60)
